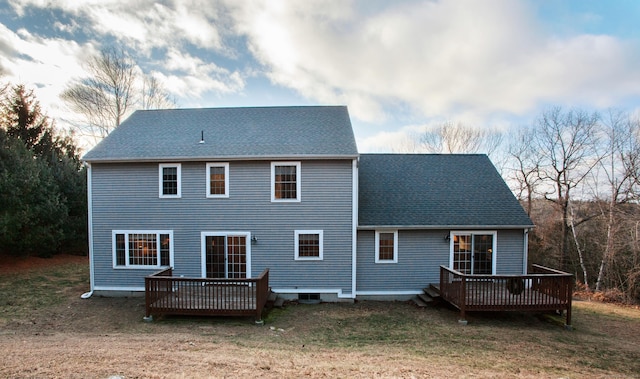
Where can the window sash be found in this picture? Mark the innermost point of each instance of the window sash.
(386, 246)
(217, 180)
(142, 249)
(308, 245)
(285, 181)
(170, 177)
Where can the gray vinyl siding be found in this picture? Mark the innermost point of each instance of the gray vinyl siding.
(125, 197)
(510, 254)
(420, 255)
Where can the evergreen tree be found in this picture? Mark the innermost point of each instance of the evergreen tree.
(43, 204)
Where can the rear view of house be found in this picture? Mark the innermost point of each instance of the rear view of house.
(226, 193)
(230, 192)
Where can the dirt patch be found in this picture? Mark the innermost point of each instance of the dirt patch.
(48, 331)
(12, 265)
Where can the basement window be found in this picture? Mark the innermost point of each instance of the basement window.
(309, 298)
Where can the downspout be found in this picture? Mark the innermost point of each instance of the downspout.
(87, 295)
(526, 252)
(354, 233)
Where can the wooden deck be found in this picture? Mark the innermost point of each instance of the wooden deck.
(166, 294)
(543, 290)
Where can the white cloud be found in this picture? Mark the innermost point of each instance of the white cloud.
(142, 24)
(438, 58)
(189, 76)
(43, 64)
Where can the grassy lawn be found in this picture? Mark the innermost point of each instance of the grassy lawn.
(46, 330)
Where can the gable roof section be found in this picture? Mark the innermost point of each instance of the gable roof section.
(230, 133)
(431, 190)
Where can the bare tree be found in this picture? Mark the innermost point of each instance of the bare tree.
(619, 167)
(459, 138)
(566, 143)
(154, 96)
(107, 95)
(114, 88)
(525, 164)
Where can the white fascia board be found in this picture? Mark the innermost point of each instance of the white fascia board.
(221, 157)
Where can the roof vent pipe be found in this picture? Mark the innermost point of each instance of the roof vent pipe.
(202, 136)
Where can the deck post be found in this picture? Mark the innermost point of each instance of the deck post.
(147, 298)
(569, 285)
(463, 300)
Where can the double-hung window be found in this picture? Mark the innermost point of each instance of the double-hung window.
(170, 180)
(142, 248)
(386, 246)
(217, 179)
(308, 245)
(285, 181)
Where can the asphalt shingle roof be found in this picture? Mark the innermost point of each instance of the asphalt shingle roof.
(248, 132)
(431, 190)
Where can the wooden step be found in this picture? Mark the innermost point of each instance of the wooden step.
(435, 287)
(417, 301)
(432, 293)
(425, 298)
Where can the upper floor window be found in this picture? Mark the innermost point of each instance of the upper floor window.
(142, 249)
(170, 180)
(387, 246)
(217, 179)
(285, 181)
(308, 245)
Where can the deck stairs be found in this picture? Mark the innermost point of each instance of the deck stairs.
(430, 296)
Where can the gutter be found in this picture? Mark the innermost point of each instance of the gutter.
(209, 158)
(440, 227)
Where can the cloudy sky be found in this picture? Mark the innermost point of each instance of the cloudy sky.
(398, 65)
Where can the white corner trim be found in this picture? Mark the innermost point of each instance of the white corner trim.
(354, 232)
(90, 225)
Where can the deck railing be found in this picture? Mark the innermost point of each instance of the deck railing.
(168, 294)
(545, 289)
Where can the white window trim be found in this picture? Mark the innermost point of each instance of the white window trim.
(395, 247)
(494, 233)
(179, 172)
(226, 180)
(296, 245)
(298, 182)
(126, 247)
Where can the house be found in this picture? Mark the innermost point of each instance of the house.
(230, 192)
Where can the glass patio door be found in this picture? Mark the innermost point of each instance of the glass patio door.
(473, 253)
(225, 256)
